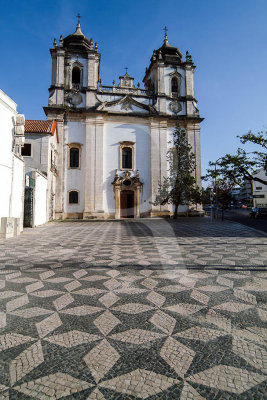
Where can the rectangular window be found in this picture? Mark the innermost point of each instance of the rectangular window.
(26, 150)
(127, 158)
(258, 187)
(74, 157)
(73, 197)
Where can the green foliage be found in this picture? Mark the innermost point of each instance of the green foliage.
(179, 187)
(235, 168)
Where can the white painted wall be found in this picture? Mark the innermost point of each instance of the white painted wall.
(40, 199)
(39, 152)
(11, 164)
(113, 134)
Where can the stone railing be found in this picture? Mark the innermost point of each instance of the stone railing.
(122, 90)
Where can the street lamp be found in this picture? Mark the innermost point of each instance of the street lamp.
(215, 187)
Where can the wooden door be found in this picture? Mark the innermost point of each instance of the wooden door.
(127, 204)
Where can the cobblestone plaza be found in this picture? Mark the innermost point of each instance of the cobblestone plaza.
(137, 309)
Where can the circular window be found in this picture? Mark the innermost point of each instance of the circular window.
(127, 182)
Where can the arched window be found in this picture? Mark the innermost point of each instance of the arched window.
(73, 197)
(127, 158)
(74, 157)
(76, 75)
(174, 87)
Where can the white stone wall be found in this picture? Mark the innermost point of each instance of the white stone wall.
(113, 134)
(74, 178)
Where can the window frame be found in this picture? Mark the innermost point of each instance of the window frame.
(75, 64)
(78, 193)
(76, 68)
(131, 146)
(178, 78)
(77, 146)
(23, 148)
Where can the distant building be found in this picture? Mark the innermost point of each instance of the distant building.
(260, 190)
(113, 140)
(235, 195)
(11, 168)
(245, 194)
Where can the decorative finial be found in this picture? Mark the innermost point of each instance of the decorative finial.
(116, 173)
(160, 55)
(96, 46)
(91, 45)
(79, 17)
(165, 36)
(188, 57)
(137, 173)
(126, 69)
(55, 43)
(113, 82)
(61, 41)
(138, 84)
(100, 82)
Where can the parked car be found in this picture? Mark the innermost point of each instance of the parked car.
(258, 212)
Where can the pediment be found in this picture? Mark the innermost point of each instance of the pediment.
(126, 105)
(175, 74)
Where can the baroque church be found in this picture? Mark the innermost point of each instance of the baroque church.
(113, 140)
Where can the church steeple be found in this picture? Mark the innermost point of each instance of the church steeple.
(75, 68)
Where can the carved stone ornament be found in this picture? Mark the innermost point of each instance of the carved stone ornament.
(76, 99)
(126, 105)
(175, 107)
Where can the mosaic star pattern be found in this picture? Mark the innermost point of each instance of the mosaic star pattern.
(126, 310)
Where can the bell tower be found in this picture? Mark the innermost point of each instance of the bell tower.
(171, 80)
(75, 71)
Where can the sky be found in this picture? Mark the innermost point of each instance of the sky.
(226, 38)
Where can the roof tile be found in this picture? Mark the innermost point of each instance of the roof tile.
(38, 126)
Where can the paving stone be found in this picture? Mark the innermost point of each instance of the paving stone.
(145, 309)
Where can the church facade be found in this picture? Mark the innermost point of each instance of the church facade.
(113, 140)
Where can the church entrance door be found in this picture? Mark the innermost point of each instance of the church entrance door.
(127, 204)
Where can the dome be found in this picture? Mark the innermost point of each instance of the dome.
(77, 41)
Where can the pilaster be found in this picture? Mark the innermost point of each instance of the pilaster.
(89, 187)
(99, 132)
(93, 200)
(193, 137)
(59, 189)
(154, 163)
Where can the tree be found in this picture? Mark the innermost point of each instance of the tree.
(180, 186)
(235, 168)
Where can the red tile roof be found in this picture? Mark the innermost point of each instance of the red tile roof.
(37, 126)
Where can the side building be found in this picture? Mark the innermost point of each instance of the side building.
(113, 140)
(11, 168)
(259, 193)
(40, 156)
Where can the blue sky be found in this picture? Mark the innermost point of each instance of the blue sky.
(227, 40)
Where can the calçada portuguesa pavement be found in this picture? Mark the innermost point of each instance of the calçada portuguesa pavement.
(134, 309)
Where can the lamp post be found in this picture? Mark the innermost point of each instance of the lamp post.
(215, 188)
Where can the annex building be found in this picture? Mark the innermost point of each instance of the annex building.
(110, 152)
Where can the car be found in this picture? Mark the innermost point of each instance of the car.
(258, 212)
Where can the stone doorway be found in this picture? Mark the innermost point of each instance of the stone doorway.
(127, 204)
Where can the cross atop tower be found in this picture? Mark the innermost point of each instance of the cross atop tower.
(166, 30)
(126, 69)
(79, 17)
